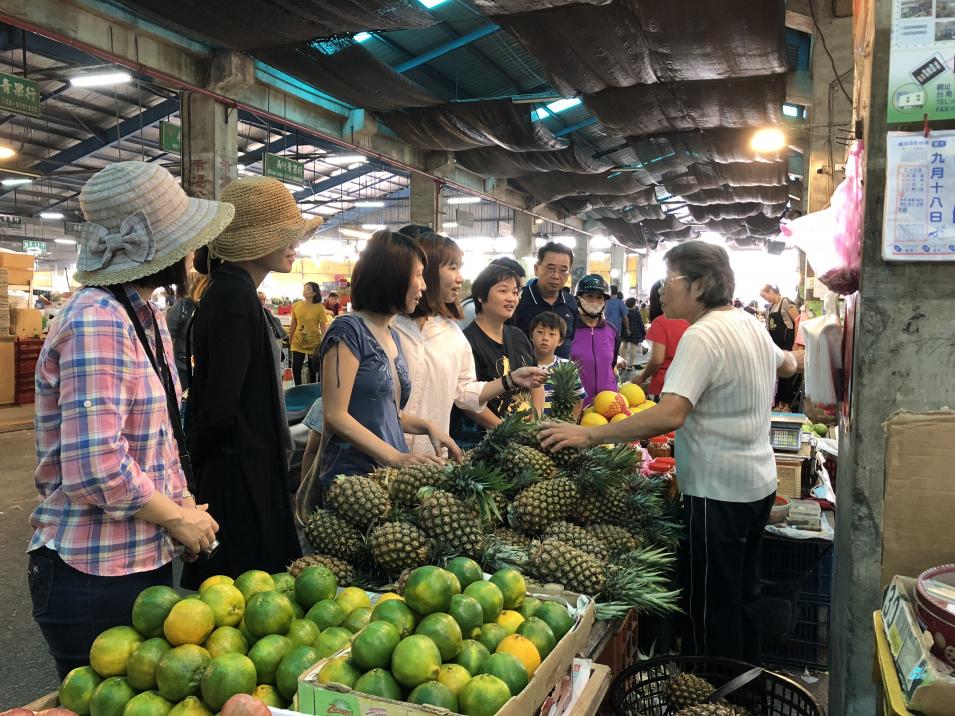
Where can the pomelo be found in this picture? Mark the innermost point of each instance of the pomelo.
(285, 584)
(589, 420)
(633, 393)
(357, 619)
(270, 696)
(510, 620)
(268, 613)
(190, 706)
(215, 579)
(111, 650)
(491, 635)
(529, 607)
(351, 598)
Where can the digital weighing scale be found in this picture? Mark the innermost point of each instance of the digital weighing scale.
(785, 431)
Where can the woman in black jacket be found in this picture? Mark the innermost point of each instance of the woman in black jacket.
(235, 419)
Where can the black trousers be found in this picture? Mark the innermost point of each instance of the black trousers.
(72, 607)
(719, 577)
(298, 360)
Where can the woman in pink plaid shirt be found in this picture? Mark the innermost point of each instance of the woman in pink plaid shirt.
(115, 508)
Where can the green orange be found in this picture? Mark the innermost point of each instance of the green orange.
(339, 670)
(111, 650)
(226, 602)
(293, 665)
(326, 613)
(148, 703)
(226, 640)
(268, 613)
(303, 631)
(266, 655)
(473, 655)
(215, 579)
(314, 584)
(434, 693)
(557, 618)
(332, 640)
(512, 586)
(179, 671)
(352, 598)
(444, 632)
(372, 646)
(466, 570)
(190, 621)
(509, 669)
(111, 697)
(151, 608)
(77, 689)
(415, 660)
(141, 667)
(190, 706)
(529, 607)
(226, 676)
(454, 676)
(540, 635)
(254, 582)
(488, 596)
(378, 682)
(357, 619)
(397, 612)
(428, 590)
(269, 695)
(467, 612)
(284, 583)
(491, 635)
(484, 695)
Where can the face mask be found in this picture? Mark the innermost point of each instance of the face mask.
(591, 308)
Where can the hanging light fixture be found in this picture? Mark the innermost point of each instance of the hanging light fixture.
(768, 140)
(100, 79)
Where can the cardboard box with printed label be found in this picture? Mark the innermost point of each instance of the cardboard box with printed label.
(927, 682)
(335, 699)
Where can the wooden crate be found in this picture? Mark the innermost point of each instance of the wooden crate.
(26, 353)
(789, 477)
(621, 649)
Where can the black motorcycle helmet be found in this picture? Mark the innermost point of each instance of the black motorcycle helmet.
(593, 283)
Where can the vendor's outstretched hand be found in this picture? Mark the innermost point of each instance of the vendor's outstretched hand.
(529, 377)
(441, 440)
(557, 436)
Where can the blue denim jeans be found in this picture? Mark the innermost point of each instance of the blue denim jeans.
(72, 607)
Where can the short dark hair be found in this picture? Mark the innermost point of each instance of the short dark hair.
(416, 231)
(382, 274)
(710, 265)
(508, 262)
(549, 319)
(656, 308)
(173, 279)
(631, 302)
(332, 294)
(440, 251)
(316, 291)
(488, 279)
(553, 247)
(614, 289)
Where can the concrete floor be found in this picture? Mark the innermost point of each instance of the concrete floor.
(27, 670)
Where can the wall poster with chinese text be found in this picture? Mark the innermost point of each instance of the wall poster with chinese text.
(919, 197)
(922, 60)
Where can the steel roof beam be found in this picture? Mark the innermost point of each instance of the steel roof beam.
(338, 180)
(445, 48)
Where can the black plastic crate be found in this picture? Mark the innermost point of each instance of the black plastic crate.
(797, 594)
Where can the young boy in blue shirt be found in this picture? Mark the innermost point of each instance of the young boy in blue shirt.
(547, 331)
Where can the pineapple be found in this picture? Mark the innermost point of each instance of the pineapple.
(452, 523)
(720, 709)
(406, 483)
(397, 546)
(686, 690)
(565, 380)
(578, 537)
(331, 535)
(506, 535)
(512, 430)
(521, 459)
(480, 487)
(551, 561)
(384, 476)
(344, 572)
(618, 540)
(542, 504)
(359, 500)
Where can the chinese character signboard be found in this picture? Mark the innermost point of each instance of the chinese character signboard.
(34, 247)
(170, 137)
(919, 197)
(19, 95)
(922, 60)
(283, 169)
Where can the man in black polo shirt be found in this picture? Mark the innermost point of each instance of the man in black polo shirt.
(545, 293)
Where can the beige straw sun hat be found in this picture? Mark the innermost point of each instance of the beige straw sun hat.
(266, 219)
(139, 222)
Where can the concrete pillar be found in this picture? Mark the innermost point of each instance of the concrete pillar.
(618, 265)
(210, 147)
(901, 313)
(524, 235)
(424, 201)
(579, 268)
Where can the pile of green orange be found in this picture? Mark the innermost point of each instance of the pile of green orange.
(186, 656)
(452, 640)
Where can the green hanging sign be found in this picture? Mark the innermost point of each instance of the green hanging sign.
(170, 137)
(283, 169)
(19, 95)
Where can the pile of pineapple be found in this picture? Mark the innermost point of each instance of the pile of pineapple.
(585, 519)
(686, 693)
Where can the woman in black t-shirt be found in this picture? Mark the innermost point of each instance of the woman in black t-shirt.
(498, 349)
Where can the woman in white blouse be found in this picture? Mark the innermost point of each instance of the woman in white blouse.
(438, 355)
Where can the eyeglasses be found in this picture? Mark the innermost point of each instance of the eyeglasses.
(666, 282)
(558, 270)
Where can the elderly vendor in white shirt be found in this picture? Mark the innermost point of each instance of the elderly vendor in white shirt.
(719, 394)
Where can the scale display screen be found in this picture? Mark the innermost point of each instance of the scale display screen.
(785, 431)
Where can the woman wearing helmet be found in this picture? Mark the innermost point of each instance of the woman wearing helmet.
(595, 340)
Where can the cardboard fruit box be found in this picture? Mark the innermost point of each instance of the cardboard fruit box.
(335, 699)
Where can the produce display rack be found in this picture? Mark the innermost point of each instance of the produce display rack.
(26, 353)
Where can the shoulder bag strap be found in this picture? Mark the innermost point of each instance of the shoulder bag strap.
(159, 364)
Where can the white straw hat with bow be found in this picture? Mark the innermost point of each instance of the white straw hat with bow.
(139, 222)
